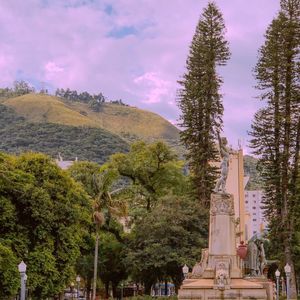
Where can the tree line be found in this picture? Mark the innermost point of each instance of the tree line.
(21, 87)
(94, 101)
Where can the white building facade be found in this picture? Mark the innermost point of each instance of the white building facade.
(255, 221)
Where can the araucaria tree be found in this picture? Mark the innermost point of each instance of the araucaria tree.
(200, 100)
(276, 128)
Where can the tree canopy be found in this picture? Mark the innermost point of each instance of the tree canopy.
(168, 237)
(43, 219)
(200, 100)
(276, 128)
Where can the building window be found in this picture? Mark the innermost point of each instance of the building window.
(254, 220)
(254, 214)
(246, 201)
(253, 195)
(254, 207)
(254, 231)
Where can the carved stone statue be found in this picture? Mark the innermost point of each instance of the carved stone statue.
(222, 275)
(199, 268)
(256, 259)
(224, 152)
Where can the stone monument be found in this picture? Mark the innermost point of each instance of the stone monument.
(219, 274)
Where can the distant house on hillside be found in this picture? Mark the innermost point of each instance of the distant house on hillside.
(64, 164)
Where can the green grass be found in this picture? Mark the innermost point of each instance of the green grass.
(40, 108)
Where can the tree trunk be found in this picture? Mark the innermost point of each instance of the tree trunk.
(106, 289)
(61, 296)
(148, 286)
(285, 176)
(288, 256)
(95, 266)
(166, 287)
(88, 289)
(114, 290)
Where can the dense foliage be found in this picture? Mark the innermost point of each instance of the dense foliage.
(9, 274)
(153, 170)
(276, 129)
(200, 100)
(168, 227)
(46, 220)
(98, 181)
(86, 143)
(165, 239)
(44, 216)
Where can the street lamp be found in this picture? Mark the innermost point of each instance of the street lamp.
(185, 271)
(122, 290)
(78, 282)
(22, 269)
(287, 270)
(134, 289)
(72, 290)
(277, 274)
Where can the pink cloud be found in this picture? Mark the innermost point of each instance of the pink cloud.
(154, 86)
(68, 44)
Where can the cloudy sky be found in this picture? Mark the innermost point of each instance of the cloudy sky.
(130, 49)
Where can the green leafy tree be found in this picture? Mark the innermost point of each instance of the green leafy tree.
(98, 182)
(112, 267)
(200, 100)
(153, 170)
(48, 214)
(9, 274)
(168, 237)
(276, 128)
(22, 88)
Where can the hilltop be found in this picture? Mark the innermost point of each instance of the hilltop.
(119, 119)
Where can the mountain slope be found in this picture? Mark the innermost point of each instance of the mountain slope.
(122, 120)
(44, 108)
(86, 143)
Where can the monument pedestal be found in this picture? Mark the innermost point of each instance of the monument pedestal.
(219, 274)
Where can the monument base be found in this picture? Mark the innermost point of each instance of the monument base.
(238, 289)
(219, 273)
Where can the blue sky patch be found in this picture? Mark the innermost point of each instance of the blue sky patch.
(122, 32)
(109, 9)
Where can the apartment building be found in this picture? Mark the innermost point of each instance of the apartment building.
(254, 213)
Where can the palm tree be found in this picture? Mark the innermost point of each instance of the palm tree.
(105, 207)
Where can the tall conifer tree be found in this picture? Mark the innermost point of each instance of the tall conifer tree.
(276, 127)
(200, 100)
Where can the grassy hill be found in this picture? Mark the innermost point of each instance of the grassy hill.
(86, 143)
(122, 120)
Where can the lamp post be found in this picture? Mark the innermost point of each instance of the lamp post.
(72, 290)
(22, 269)
(78, 283)
(185, 271)
(122, 290)
(134, 289)
(287, 270)
(277, 274)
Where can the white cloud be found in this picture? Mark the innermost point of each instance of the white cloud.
(153, 87)
(52, 70)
